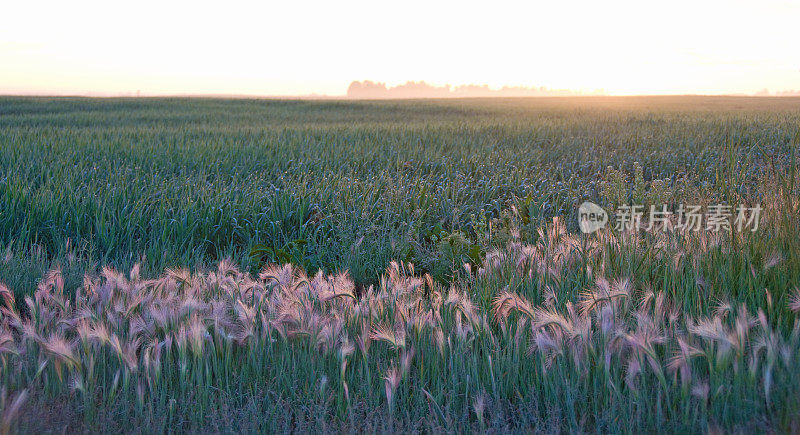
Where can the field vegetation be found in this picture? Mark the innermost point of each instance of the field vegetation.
(265, 265)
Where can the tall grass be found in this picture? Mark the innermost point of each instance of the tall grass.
(394, 266)
(572, 333)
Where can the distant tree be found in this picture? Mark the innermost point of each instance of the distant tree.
(367, 89)
(411, 89)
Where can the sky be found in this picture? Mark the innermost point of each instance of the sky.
(318, 47)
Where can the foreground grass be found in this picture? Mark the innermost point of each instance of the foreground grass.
(664, 331)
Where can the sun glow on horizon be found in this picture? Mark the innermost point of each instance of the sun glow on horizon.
(620, 47)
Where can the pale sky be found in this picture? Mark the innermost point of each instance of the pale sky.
(303, 47)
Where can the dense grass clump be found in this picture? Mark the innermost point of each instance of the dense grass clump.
(390, 266)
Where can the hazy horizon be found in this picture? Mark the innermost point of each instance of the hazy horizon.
(311, 48)
(408, 90)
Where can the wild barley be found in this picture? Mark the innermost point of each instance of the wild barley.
(479, 406)
(405, 360)
(391, 382)
(364, 339)
(632, 369)
(58, 347)
(544, 318)
(8, 297)
(99, 333)
(392, 335)
(604, 293)
(681, 361)
(722, 309)
(7, 343)
(712, 330)
(506, 302)
(197, 334)
(438, 339)
(550, 344)
(794, 300)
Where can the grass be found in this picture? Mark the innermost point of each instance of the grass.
(385, 266)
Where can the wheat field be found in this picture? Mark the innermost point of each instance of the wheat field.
(210, 265)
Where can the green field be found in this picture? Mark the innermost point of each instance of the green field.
(274, 265)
